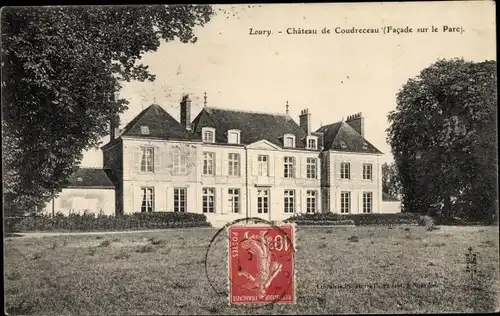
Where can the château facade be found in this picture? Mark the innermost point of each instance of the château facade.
(229, 164)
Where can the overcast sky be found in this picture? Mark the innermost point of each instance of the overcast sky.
(333, 75)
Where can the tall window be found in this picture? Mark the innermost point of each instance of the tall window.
(311, 168)
(367, 202)
(367, 171)
(345, 202)
(208, 136)
(345, 170)
(148, 198)
(289, 201)
(263, 165)
(179, 161)
(234, 165)
(147, 159)
(180, 200)
(208, 200)
(288, 141)
(234, 200)
(208, 163)
(289, 167)
(263, 201)
(311, 201)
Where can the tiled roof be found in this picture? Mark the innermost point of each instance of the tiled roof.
(254, 126)
(89, 177)
(341, 136)
(159, 123)
(387, 197)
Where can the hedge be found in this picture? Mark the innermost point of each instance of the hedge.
(91, 222)
(340, 222)
(359, 219)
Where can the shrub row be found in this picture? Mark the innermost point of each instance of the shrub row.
(91, 222)
(340, 222)
(359, 219)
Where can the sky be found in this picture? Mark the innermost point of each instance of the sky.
(333, 75)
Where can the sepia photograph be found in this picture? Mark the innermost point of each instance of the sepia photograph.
(231, 159)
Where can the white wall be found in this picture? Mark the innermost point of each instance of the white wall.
(76, 200)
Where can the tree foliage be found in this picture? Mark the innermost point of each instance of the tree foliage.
(443, 138)
(61, 67)
(390, 180)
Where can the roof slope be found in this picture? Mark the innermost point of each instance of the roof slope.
(254, 126)
(159, 122)
(89, 177)
(341, 136)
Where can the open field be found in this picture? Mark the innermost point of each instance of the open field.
(164, 272)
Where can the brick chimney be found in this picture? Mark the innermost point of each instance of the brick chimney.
(113, 122)
(186, 112)
(305, 121)
(357, 122)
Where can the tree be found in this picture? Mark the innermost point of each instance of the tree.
(61, 67)
(390, 180)
(443, 141)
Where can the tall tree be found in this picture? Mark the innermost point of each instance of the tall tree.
(61, 67)
(442, 135)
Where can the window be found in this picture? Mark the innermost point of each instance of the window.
(208, 134)
(311, 168)
(180, 200)
(311, 201)
(144, 130)
(367, 171)
(208, 200)
(148, 198)
(263, 165)
(234, 165)
(289, 167)
(343, 145)
(289, 140)
(208, 163)
(345, 170)
(311, 142)
(147, 159)
(233, 136)
(289, 201)
(345, 202)
(179, 161)
(263, 201)
(367, 202)
(365, 145)
(234, 200)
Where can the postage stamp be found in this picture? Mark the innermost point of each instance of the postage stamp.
(261, 264)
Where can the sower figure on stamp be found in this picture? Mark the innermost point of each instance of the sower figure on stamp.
(266, 269)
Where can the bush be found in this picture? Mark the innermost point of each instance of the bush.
(90, 222)
(358, 219)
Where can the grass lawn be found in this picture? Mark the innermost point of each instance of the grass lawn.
(164, 273)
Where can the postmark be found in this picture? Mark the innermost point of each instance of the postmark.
(260, 263)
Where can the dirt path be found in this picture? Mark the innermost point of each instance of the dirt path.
(52, 234)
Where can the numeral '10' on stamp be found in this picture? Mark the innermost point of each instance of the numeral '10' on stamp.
(261, 264)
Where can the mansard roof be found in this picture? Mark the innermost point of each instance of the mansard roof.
(340, 136)
(160, 124)
(254, 126)
(90, 178)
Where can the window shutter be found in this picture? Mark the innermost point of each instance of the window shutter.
(137, 200)
(353, 170)
(253, 164)
(271, 165)
(157, 160)
(137, 159)
(338, 165)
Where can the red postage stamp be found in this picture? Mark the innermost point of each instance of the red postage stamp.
(261, 264)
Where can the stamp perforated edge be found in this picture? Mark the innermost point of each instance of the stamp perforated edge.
(259, 224)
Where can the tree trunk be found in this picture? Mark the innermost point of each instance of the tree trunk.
(447, 206)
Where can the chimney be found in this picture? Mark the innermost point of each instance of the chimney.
(114, 131)
(305, 121)
(186, 112)
(357, 122)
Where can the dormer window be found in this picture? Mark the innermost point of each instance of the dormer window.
(312, 142)
(79, 179)
(289, 141)
(365, 146)
(233, 136)
(208, 134)
(343, 144)
(144, 130)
